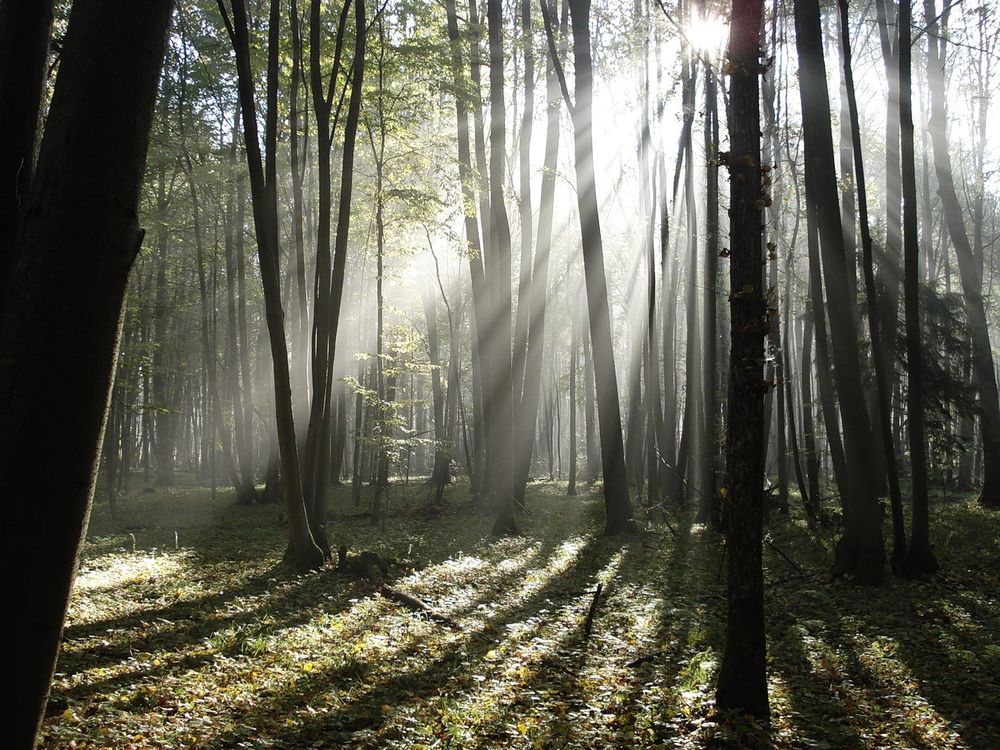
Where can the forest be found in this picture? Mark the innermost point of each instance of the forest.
(499, 373)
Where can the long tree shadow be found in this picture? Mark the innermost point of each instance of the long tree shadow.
(677, 664)
(446, 674)
(177, 632)
(907, 666)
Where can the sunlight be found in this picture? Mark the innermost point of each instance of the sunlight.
(708, 33)
(113, 571)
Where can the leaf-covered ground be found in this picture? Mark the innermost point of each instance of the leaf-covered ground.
(205, 640)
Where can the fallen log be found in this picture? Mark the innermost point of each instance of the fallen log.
(417, 605)
(644, 659)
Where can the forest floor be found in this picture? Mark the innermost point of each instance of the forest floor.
(212, 643)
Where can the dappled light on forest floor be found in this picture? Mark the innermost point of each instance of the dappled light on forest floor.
(216, 645)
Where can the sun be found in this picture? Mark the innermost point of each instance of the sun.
(708, 33)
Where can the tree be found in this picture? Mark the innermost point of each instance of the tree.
(983, 368)
(883, 422)
(742, 684)
(24, 46)
(500, 403)
(616, 499)
(920, 559)
(264, 198)
(533, 303)
(860, 550)
(78, 239)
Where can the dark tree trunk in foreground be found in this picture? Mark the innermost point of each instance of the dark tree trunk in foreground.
(742, 682)
(921, 559)
(616, 499)
(860, 551)
(80, 236)
(24, 46)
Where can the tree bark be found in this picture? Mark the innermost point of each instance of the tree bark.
(79, 238)
(24, 47)
(742, 684)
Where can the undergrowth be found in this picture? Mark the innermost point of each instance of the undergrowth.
(185, 630)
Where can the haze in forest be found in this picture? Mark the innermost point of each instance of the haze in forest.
(657, 334)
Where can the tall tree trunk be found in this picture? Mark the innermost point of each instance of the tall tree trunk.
(574, 344)
(522, 319)
(860, 551)
(921, 558)
(263, 189)
(983, 368)
(499, 405)
(79, 238)
(240, 407)
(467, 177)
(299, 121)
(329, 282)
(535, 300)
(166, 417)
(242, 325)
(884, 414)
(889, 269)
(709, 500)
(589, 427)
(742, 684)
(24, 47)
(617, 504)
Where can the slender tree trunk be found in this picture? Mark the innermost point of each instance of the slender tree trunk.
(983, 367)
(298, 121)
(248, 493)
(523, 319)
(883, 416)
(263, 188)
(921, 558)
(616, 499)
(166, 417)
(499, 406)
(535, 301)
(574, 344)
(860, 551)
(709, 500)
(589, 426)
(329, 278)
(468, 181)
(889, 268)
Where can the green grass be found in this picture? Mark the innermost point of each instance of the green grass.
(216, 645)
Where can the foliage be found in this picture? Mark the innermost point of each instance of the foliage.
(216, 645)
